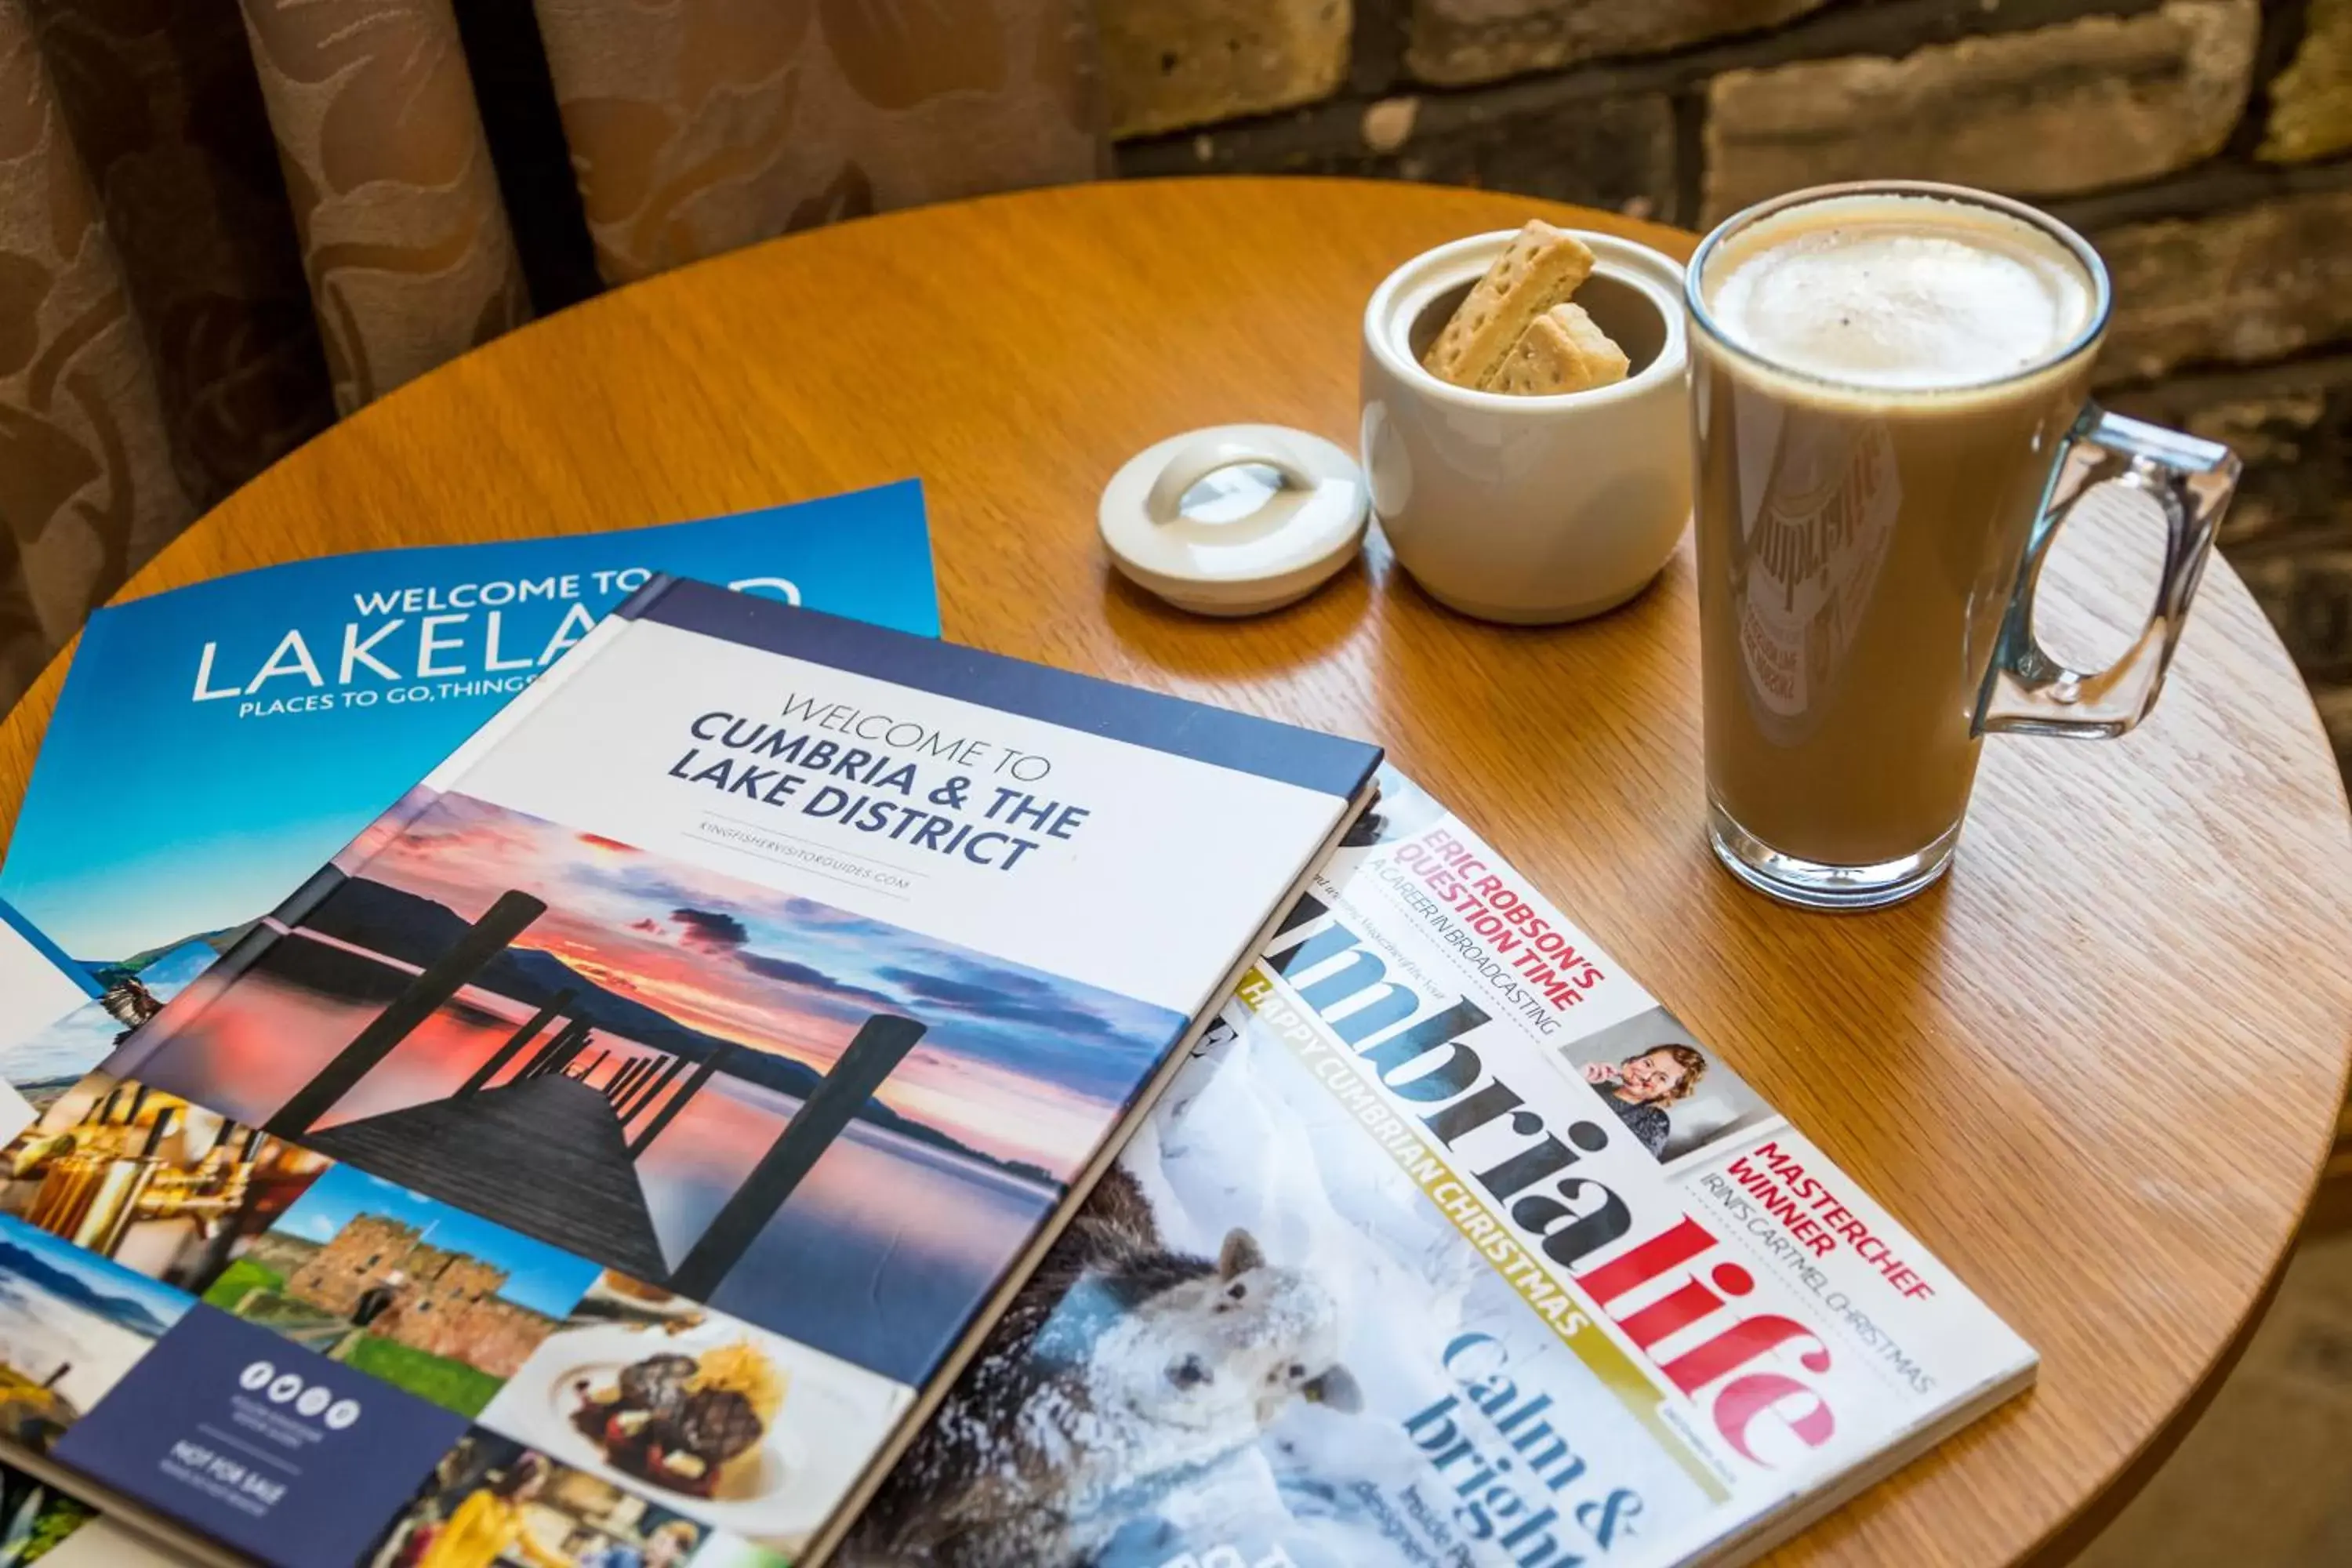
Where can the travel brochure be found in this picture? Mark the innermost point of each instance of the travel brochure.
(769, 1090)
(653, 1104)
(279, 711)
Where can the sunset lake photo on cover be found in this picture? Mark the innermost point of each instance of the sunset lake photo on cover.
(611, 1069)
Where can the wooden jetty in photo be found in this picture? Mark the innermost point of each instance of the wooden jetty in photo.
(549, 1152)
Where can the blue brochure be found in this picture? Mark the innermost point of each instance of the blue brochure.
(215, 743)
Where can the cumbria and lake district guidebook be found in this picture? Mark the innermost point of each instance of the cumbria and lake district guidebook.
(627, 1138)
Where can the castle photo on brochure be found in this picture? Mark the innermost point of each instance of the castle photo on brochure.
(426, 1297)
(828, 1125)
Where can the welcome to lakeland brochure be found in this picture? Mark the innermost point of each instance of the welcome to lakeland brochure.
(626, 1138)
(214, 743)
(1451, 1246)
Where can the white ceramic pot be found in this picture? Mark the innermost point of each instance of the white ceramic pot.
(1529, 510)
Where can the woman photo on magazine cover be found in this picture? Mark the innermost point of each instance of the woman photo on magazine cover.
(1676, 1098)
(1639, 1087)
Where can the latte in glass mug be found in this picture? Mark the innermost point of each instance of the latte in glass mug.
(1885, 381)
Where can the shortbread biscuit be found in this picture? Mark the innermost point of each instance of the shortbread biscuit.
(1540, 269)
(1561, 350)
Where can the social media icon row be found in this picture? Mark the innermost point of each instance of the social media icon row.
(284, 1387)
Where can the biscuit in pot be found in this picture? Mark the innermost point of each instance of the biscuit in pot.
(1562, 350)
(1540, 268)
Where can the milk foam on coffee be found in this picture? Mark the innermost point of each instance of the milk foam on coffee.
(1903, 293)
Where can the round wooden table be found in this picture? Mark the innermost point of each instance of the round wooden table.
(2096, 1070)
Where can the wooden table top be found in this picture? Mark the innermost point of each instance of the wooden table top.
(2094, 1070)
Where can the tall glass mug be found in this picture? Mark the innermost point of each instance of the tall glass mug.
(1889, 404)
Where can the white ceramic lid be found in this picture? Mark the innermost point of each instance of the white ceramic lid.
(1235, 519)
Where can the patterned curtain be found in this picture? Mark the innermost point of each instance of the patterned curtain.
(222, 227)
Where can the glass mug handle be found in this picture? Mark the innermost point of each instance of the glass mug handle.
(2190, 480)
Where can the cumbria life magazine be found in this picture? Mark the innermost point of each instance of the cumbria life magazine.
(1450, 1247)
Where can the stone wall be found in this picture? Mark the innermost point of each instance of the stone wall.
(446, 1302)
(354, 1260)
(2204, 145)
(486, 1332)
